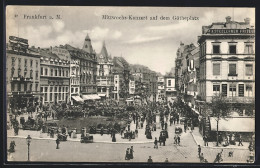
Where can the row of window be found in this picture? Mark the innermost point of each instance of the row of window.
(23, 87)
(243, 90)
(54, 72)
(25, 73)
(233, 48)
(55, 97)
(233, 69)
(25, 62)
(54, 89)
(76, 90)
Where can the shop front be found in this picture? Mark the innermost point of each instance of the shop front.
(232, 128)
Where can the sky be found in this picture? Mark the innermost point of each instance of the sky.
(152, 43)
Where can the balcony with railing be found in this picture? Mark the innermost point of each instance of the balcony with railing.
(22, 79)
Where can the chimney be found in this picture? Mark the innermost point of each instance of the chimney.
(228, 19)
(247, 20)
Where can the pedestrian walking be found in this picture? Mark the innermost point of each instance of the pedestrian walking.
(160, 139)
(240, 141)
(136, 133)
(162, 124)
(57, 143)
(165, 126)
(185, 127)
(218, 158)
(178, 140)
(166, 160)
(205, 138)
(150, 160)
(113, 137)
(101, 131)
(127, 154)
(175, 140)
(128, 127)
(131, 152)
(201, 158)
(155, 143)
(199, 150)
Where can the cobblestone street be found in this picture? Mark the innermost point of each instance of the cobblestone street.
(104, 150)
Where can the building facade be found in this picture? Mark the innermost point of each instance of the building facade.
(121, 74)
(55, 78)
(161, 89)
(227, 61)
(22, 74)
(105, 81)
(88, 69)
(170, 90)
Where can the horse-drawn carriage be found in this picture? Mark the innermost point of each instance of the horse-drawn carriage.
(86, 139)
(31, 124)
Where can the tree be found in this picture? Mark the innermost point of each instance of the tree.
(219, 109)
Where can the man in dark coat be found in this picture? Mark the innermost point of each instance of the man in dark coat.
(199, 150)
(131, 152)
(102, 131)
(57, 142)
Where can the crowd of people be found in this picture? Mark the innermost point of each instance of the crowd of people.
(143, 116)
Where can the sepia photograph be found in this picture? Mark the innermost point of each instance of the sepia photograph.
(130, 84)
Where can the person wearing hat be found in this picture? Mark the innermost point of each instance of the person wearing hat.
(199, 150)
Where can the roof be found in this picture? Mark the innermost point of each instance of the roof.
(44, 53)
(78, 53)
(235, 124)
(103, 56)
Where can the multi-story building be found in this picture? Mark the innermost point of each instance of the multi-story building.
(55, 78)
(121, 74)
(227, 61)
(178, 67)
(161, 89)
(191, 93)
(145, 82)
(88, 70)
(22, 74)
(105, 81)
(170, 90)
(153, 86)
(132, 87)
(66, 52)
(82, 73)
(187, 67)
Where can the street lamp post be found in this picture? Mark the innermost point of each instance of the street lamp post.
(28, 139)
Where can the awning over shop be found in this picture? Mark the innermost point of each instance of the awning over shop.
(95, 97)
(239, 124)
(77, 98)
(101, 94)
(91, 97)
(86, 97)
